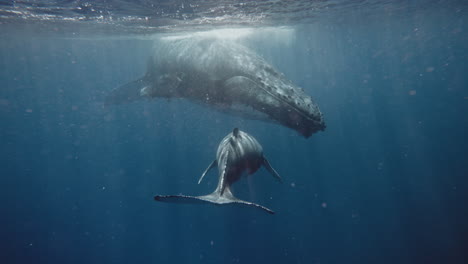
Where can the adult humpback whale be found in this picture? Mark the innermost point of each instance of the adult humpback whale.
(238, 152)
(226, 76)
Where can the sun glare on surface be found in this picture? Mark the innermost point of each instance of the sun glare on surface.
(236, 33)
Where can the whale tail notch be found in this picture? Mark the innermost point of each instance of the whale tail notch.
(213, 198)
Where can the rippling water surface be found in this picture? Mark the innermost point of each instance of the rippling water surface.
(143, 17)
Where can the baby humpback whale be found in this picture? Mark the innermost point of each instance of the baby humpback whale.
(238, 152)
(226, 76)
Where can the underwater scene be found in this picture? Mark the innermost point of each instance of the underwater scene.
(229, 131)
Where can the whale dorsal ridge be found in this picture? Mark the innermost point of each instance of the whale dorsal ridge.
(235, 132)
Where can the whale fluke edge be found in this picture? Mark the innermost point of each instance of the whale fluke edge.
(213, 198)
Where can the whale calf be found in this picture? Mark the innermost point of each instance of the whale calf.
(226, 76)
(237, 153)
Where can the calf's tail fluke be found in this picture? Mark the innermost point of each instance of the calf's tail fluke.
(213, 198)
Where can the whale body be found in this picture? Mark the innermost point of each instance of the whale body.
(237, 153)
(226, 76)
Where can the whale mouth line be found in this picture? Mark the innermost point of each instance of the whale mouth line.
(297, 110)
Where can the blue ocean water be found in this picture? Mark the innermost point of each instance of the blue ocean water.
(384, 183)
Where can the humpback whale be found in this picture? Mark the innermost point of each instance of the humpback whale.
(237, 153)
(226, 76)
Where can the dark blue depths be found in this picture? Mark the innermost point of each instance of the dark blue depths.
(384, 183)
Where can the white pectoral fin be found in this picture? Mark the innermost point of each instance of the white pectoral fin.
(212, 165)
(270, 169)
(129, 92)
(170, 81)
(145, 91)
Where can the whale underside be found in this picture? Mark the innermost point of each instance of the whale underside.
(225, 76)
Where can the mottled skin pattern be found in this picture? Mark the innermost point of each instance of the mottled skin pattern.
(226, 76)
(237, 153)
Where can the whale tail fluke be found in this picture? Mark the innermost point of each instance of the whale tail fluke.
(127, 93)
(180, 199)
(213, 198)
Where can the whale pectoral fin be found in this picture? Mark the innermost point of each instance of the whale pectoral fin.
(168, 84)
(129, 92)
(171, 80)
(212, 165)
(269, 168)
(213, 198)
